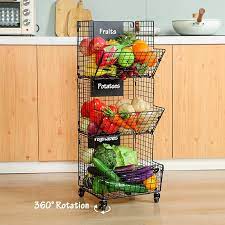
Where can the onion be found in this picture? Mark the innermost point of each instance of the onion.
(123, 101)
(127, 108)
(92, 128)
(138, 104)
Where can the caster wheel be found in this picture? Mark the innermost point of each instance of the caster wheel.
(81, 192)
(102, 205)
(156, 197)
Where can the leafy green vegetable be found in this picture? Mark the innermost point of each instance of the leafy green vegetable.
(141, 68)
(119, 158)
(125, 156)
(106, 154)
(126, 39)
(115, 156)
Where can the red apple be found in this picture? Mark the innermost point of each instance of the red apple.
(97, 43)
(85, 47)
(106, 56)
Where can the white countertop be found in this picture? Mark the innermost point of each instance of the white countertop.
(189, 40)
(167, 40)
(13, 40)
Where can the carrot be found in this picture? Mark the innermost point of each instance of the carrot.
(117, 120)
(131, 121)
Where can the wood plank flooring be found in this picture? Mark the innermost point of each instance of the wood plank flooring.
(188, 198)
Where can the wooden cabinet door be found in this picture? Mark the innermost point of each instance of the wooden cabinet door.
(57, 103)
(163, 97)
(199, 101)
(18, 104)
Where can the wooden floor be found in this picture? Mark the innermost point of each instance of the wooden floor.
(188, 198)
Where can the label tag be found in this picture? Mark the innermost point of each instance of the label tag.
(108, 29)
(94, 142)
(107, 87)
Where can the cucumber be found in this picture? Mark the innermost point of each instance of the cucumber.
(113, 186)
(105, 170)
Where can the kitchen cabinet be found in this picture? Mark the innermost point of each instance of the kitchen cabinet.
(38, 100)
(18, 103)
(57, 103)
(198, 101)
(163, 97)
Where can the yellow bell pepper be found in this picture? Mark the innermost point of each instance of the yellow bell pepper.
(151, 183)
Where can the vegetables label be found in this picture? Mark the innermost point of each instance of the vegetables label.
(106, 87)
(93, 142)
(108, 29)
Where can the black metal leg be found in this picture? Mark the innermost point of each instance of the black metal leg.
(102, 205)
(156, 197)
(81, 192)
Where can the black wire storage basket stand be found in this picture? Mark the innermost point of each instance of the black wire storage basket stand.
(117, 117)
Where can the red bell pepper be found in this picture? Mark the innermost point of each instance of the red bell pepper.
(96, 117)
(85, 109)
(97, 104)
(108, 127)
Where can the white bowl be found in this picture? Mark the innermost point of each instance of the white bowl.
(192, 27)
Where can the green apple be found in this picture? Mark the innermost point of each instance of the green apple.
(126, 57)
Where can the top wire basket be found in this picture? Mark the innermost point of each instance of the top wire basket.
(124, 52)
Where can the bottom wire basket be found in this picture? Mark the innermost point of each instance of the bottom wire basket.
(118, 166)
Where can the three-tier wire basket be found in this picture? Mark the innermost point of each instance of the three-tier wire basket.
(117, 62)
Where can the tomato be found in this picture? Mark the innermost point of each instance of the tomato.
(85, 109)
(150, 59)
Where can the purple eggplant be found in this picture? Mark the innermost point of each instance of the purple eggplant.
(144, 175)
(125, 169)
(131, 175)
(138, 170)
(137, 179)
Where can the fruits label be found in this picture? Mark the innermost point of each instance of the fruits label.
(106, 87)
(108, 29)
(93, 142)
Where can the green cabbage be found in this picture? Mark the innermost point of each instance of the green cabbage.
(115, 156)
(125, 156)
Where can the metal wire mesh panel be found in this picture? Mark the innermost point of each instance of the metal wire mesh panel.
(116, 63)
(115, 59)
(134, 90)
(104, 189)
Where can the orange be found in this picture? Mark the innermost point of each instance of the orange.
(140, 42)
(140, 49)
(150, 59)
